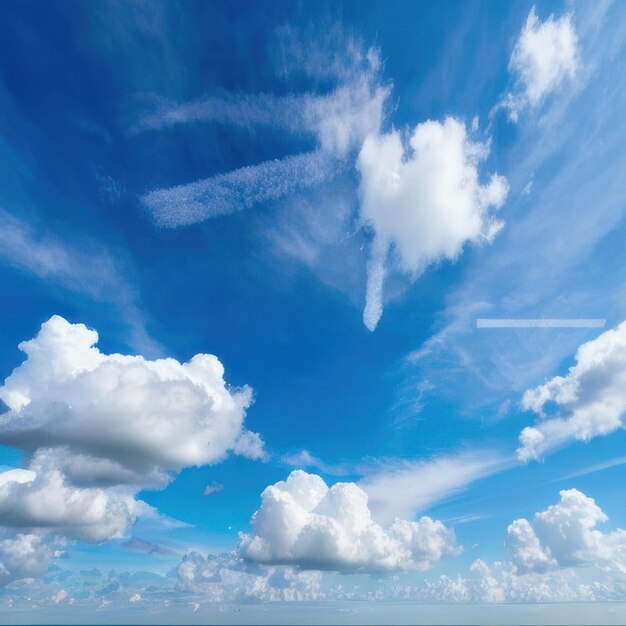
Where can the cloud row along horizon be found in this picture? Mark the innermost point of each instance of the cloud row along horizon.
(242, 259)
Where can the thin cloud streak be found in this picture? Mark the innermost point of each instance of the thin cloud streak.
(405, 488)
(239, 189)
(95, 273)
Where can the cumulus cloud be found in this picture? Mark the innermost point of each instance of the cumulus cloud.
(97, 428)
(591, 398)
(226, 578)
(304, 523)
(212, 488)
(423, 201)
(565, 535)
(544, 56)
(501, 582)
(47, 501)
(132, 413)
(24, 556)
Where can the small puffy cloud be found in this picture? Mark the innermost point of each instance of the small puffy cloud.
(565, 535)
(121, 413)
(526, 549)
(48, 502)
(591, 398)
(302, 522)
(424, 201)
(544, 56)
(60, 596)
(213, 487)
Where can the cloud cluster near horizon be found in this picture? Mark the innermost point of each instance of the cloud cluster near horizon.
(302, 522)
(98, 428)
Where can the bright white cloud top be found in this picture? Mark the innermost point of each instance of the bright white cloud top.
(303, 522)
(545, 55)
(565, 535)
(591, 398)
(99, 427)
(424, 202)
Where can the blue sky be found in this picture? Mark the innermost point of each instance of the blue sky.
(325, 198)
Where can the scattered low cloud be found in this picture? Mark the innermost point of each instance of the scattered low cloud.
(591, 398)
(423, 201)
(544, 56)
(302, 522)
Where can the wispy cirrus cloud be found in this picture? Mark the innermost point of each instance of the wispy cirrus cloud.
(404, 488)
(239, 189)
(84, 267)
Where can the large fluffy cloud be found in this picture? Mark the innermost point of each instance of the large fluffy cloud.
(423, 201)
(130, 412)
(97, 428)
(564, 535)
(591, 398)
(544, 56)
(302, 522)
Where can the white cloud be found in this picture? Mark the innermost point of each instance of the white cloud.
(225, 578)
(302, 522)
(60, 596)
(47, 502)
(526, 549)
(558, 557)
(239, 189)
(403, 489)
(544, 56)
(24, 556)
(134, 414)
(212, 488)
(565, 535)
(424, 202)
(591, 397)
(98, 428)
